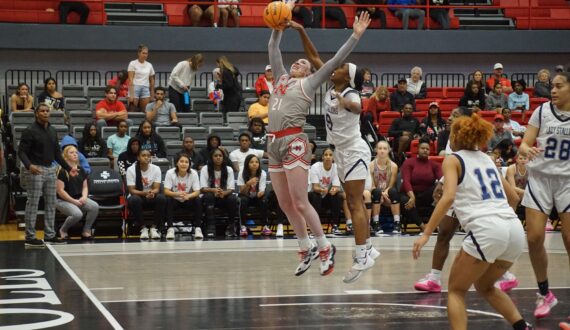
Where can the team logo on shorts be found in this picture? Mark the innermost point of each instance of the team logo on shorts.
(297, 148)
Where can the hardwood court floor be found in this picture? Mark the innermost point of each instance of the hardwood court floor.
(240, 284)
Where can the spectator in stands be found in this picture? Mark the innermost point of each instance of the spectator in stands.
(497, 100)
(73, 200)
(432, 124)
(214, 142)
(260, 108)
(404, 129)
(331, 13)
(498, 77)
(384, 174)
(91, 144)
(367, 85)
(182, 190)
(313, 146)
(265, 81)
(150, 140)
(325, 186)
(51, 97)
(406, 13)
(216, 94)
(507, 152)
(472, 98)
(121, 83)
(181, 80)
(22, 100)
(110, 111)
(70, 140)
(197, 162)
(129, 157)
(500, 133)
(517, 176)
(519, 100)
(303, 13)
(516, 129)
(559, 69)
(543, 86)
(251, 182)
(238, 156)
(440, 15)
(161, 112)
(78, 7)
(118, 142)
(378, 102)
(37, 151)
(402, 97)
(372, 11)
(143, 183)
(229, 8)
(258, 133)
(217, 186)
(141, 77)
(229, 85)
(202, 11)
(419, 177)
(415, 85)
(477, 77)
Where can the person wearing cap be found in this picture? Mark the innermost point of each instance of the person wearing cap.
(519, 100)
(543, 86)
(181, 80)
(401, 97)
(500, 133)
(432, 124)
(498, 76)
(265, 81)
(559, 68)
(260, 109)
(516, 129)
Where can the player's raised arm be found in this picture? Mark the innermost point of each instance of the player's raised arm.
(310, 50)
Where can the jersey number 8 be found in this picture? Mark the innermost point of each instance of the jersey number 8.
(551, 146)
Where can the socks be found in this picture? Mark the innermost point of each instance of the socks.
(368, 243)
(305, 244)
(322, 242)
(348, 222)
(397, 218)
(436, 273)
(360, 251)
(375, 218)
(543, 288)
(520, 325)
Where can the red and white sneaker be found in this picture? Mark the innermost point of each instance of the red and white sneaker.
(564, 325)
(243, 231)
(429, 284)
(327, 259)
(544, 304)
(266, 231)
(507, 282)
(306, 257)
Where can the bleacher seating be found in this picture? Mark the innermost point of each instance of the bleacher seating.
(169, 133)
(224, 132)
(187, 118)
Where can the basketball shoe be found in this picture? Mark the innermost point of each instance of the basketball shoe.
(306, 257)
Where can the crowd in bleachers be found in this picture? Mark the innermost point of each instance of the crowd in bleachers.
(220, 154)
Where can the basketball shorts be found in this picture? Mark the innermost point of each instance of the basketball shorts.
(494, 238)
(352, 161)
(542, 193)
(289, 152)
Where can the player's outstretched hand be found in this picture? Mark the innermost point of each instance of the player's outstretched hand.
(533, 152)
(418, 245)
(290, 4)
(361, 23)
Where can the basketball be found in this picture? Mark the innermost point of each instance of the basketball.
(276, 13)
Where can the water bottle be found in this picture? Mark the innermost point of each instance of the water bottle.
(186, 98)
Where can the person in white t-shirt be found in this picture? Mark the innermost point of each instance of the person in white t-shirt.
(143, 183)
(217, 186)
(141, 78)
(182, 189)
(238, 156)
(325, 186)
(252, 181)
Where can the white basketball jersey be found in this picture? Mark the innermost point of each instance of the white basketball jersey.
(480, 192)
(554, 138)
(343, 126)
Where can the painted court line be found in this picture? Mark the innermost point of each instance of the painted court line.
(84, 288)
(95, 289)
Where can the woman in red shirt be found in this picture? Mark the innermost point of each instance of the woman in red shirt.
(378, 102)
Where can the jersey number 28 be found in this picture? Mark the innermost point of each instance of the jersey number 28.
(552, 145)
(494, 181)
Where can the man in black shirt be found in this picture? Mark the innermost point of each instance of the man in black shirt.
(196, 158)
(38, 149)
(404, 129)
(402, 97)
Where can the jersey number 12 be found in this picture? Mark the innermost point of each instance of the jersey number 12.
(494, 181)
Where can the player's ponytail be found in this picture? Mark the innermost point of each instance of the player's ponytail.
(470, 133)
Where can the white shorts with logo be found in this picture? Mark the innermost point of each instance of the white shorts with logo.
(542, 193)
(494, 238)
(352, 161)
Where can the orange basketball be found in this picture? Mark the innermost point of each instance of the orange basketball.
(276, 13)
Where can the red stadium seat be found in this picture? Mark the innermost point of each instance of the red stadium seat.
(438, 159)
(385, 121)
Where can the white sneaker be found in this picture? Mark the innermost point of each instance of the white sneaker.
(306, 258)
(359, 266)
(170, 233)
(198, 233)
(154, 234)
(373, 253)
(279, 230)
(144, 233)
